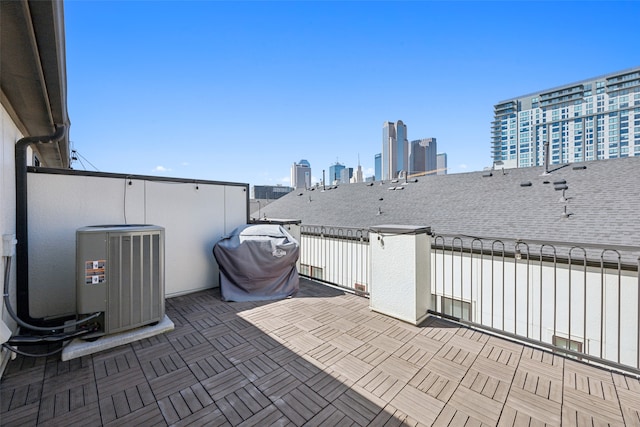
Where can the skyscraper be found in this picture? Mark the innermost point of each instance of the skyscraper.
(301, 174)
(441, 163)
(377, 167)
(593, 119)
(395, 149)
(422, 156)
(335, 172)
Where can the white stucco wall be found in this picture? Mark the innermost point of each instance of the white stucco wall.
(400, 262)
(194, 220)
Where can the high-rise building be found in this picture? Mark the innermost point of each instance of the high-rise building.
(335, 172)
(301, 174)
(422, 156)
(441, 164)
(357, 175)
(377, 167)
(597, 118)
(345, 175)
(395, 149)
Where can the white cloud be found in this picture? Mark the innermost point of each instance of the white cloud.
(184, 164)
(463, 166)
(161, 169)
(286, 180)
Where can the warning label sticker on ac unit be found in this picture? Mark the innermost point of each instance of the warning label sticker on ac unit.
(94, 272)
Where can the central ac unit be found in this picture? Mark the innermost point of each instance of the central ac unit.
(120, 272)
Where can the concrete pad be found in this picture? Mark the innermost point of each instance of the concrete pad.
(79, 347)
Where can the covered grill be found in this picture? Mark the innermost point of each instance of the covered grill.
(257, 262)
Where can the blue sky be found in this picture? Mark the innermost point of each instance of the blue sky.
(238, 91)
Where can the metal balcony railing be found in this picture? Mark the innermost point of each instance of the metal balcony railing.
(579, 299)
(582, 300)
(336, 255)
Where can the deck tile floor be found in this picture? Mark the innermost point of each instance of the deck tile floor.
(319, 359)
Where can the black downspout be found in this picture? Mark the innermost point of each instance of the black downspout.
(22, 235)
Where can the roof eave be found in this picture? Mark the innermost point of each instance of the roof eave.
(33, 77)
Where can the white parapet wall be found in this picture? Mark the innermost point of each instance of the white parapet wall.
(195, 215)
(400, 271)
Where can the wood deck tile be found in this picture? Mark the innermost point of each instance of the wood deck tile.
(446, 368)
(149, 415)
(13, 397)
(494, 368)
(399, 368)
(476, 406)
(162, 365)
(414, 354)
(534, 406)
(434, 385)
(226, 382)
(329, 385)
(630, 405)
(592, 406)
(276, 384)
(370, 354)
(269, 416)
(321, 358)
(86, 415)
(241, 353)
(303, 368)
(381, 384)
(358, 405)
(417, 405)
(228, 341)
(213, 364)
(327, 354)
(486, 385)
(257, 367)
(326, 333)
(363, 333)
(386, 343)
(351, 367)
(174, 381)
(113, 383)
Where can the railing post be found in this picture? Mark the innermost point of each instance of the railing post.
(400, 257)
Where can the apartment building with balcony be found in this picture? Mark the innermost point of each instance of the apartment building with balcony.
(592, 119)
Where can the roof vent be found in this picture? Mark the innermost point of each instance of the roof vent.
(370, 184)
(575, 168)
(525, 184)
(559, 187)
(393, 181)
(566, 214)
(560, 181)
(381, 199)
(546, 182)
(487, 174)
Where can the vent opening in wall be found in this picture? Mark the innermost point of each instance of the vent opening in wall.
(120, 272)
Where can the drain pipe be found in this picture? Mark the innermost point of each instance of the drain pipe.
(22, 235)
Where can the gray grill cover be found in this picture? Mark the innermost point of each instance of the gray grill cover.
(257, 262)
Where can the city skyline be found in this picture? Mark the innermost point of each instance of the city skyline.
(170, 94)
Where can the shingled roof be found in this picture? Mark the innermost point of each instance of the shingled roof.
(602, 203)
